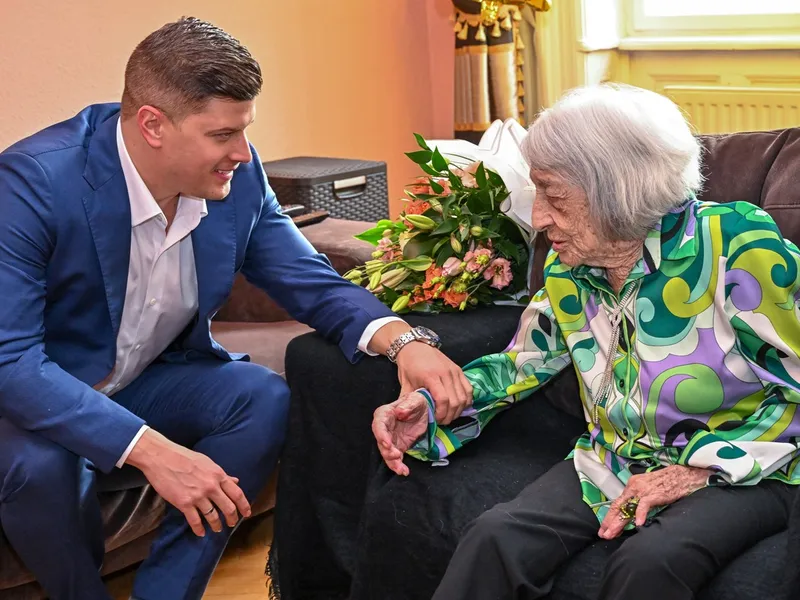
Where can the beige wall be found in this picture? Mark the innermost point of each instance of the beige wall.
(352, 78)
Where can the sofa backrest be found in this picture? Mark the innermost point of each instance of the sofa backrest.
(761, 167)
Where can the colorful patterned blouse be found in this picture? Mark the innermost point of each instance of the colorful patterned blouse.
(707, 369)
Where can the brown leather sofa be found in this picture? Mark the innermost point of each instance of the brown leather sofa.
(249, 322)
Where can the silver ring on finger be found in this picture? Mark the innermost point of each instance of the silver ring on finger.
(208, 512)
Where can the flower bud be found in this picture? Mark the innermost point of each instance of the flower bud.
(421, 263)
(401, 303)
(394, 277)
(374, 280)
(463, 305)
(455, 244)
(421, 222)
(476, 231)
(386, 232)
(377, 254)
(352, 274)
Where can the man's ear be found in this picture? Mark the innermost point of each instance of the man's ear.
(151, 122)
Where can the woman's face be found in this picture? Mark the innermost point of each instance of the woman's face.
(561, 210)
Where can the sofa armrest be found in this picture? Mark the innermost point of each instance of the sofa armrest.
(465, 337)
(332, 237)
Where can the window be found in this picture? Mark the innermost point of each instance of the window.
(712, 17)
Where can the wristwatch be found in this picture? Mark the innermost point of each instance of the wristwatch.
(417, 334)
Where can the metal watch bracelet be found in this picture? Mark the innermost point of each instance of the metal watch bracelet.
(414, 335)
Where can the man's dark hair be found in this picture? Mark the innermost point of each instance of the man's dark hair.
(183, 65)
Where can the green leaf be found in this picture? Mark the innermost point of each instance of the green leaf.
(430, 170)
(371, 236)
(480, 176)
(439, 244)
(438, 161)
(445, 252)
(433, 214)
(479, 202)
(421, 157)
(423, 307)
(418, 246)
(421, 142)
(406, 286)
(446, 203)
(389, 296)
(437, 188)
(495, 179)
(508, 249)
(455, 181)
(447, 226)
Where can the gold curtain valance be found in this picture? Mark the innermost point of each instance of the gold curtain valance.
(492, 11)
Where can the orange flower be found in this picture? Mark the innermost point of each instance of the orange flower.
(454, 299)
(421, 185)
(417, 296)
(445, 183)
(432, 276)
(417, 207)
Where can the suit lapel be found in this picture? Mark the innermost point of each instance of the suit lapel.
(108, 212)
(214, 245)
(109, 215)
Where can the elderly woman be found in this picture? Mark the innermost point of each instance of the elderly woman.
(681, 321)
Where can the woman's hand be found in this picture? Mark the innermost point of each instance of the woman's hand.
(657, 488)
(397, 426)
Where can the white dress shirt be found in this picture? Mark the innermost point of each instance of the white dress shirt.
(158, 305)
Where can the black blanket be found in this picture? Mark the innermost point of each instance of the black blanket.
(347, 528)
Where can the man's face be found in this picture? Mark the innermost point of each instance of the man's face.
(201, 152)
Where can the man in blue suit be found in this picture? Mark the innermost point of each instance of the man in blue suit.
(121, 231)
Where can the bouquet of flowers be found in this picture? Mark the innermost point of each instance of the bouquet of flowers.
(452, 247)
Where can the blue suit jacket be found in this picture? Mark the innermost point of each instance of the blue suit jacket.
(65, 236)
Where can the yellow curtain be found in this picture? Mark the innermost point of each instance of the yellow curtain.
(489, 77)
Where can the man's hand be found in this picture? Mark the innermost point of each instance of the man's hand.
(422, 366)
(190, 481)
(397, 426)
(657, 488)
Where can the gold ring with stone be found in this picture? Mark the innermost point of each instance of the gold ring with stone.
(628, 510)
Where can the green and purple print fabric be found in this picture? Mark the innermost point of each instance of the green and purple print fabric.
(706, 371)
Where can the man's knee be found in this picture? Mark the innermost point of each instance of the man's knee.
(263, 395)
(33, 466)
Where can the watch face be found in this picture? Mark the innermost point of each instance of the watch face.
(427, 333)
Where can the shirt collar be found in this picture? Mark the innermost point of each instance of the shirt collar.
(672, 238)
(143, 205)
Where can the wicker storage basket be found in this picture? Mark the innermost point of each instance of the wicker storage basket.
(348, 189)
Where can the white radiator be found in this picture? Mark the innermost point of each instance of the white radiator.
(718, 109)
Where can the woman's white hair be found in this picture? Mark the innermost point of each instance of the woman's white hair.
(630, 150)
